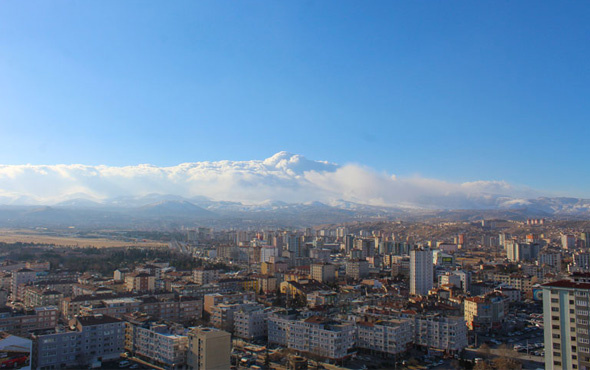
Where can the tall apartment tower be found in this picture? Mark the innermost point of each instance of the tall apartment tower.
(208, 349)
(421, 270)
(565, 314)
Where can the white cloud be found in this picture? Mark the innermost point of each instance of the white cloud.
(284, 176)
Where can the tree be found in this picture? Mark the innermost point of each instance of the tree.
(483, 366)
(484, 349)
(507, 363)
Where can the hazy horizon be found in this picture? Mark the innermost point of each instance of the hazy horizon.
(284, 177)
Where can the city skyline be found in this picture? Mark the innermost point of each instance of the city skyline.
(473, 92)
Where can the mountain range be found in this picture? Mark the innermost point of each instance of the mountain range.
(284, 190)
(156, 210)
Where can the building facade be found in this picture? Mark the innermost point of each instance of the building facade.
(421, 271)
(566, 325)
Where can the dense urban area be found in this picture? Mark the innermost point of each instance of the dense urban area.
(486, 294)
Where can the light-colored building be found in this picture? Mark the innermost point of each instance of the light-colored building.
(524, 283)
(35, 297)
(436, 331)
(323, 272)
(85, 342)
(316, 335)
(485, 312)
(157, 344)
(440, 332)
(357, 269)
(202, 275)
(19, 278)
(566, 325)
(140, 282)
(222, 315)
(208, 349)
(568, 241)
(267, 252)
(582, 261)
(23, 322)
(251, 322)
(213, 299)
(550, 259)
(119, 274)
(421, 271)
(517, 252)
(388, 337)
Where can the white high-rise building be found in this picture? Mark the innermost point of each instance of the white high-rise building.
(421, 271)
(566, 318)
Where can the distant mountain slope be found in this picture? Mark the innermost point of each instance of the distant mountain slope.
(173, 208)
(169, 210)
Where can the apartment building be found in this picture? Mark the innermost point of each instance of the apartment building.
(203, 275)
(214, 299)
(158, 344)
(86, 341)
(19, 278)
(208, 349)
(386, 337)
(566, 306)
(485, 312)
(319, 336)
(36, 297)
(421, 271)
(23, 322)
(179, 309)
(440, 332)
(323, 272)
(251, 322)
(140, 282)
(436, 331)
(357, 269)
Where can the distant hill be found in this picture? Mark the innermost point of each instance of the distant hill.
(173, 208)
(156, 210)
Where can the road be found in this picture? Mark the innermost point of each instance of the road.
(528, 361)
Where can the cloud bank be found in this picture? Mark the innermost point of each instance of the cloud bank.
(282, 177)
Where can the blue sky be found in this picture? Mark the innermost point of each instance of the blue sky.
(458, 91)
